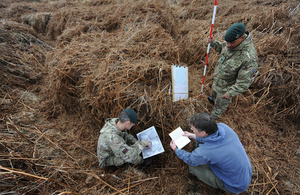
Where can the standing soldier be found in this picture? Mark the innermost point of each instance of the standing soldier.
(236, 68)
(116, 146)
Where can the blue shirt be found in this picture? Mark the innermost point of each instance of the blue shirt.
(225, 155)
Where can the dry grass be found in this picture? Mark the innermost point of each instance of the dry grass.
(69, 65)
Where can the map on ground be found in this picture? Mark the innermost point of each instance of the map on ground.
(156, 146)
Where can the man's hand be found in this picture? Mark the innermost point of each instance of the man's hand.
(225, 96)
(189, 135)
(173, 145)
(148, 144)
(210, 40)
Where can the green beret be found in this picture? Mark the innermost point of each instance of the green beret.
(131, 114)
(234, 32)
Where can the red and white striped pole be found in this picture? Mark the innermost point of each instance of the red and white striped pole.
(210, 35)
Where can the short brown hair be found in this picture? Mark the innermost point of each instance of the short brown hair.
(204, 122)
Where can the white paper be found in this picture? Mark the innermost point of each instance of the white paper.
(180, 84)
(179, 140)
(156, 146)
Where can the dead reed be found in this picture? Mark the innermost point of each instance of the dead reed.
(69, 65)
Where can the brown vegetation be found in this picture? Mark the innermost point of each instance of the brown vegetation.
(66, 66)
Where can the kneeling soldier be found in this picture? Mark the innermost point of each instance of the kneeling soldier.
(116, 146)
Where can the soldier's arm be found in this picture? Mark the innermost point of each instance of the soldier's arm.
(218, 46)
(129, 139)
(246, 76)
(130, 154)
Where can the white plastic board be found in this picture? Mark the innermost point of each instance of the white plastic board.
(180, 83)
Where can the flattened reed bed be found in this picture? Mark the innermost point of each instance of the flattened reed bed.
(109, 55)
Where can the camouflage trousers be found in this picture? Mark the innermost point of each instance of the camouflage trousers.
(205, 174)
(116, 161)
(110, 161)
(220, 104)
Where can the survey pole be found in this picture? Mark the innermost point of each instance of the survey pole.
(208, 47)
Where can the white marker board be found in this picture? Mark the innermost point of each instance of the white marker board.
(180, 83)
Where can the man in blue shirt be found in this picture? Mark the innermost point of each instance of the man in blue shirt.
(220, 160)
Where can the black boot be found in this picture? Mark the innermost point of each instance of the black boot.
(211, 100)
(146, 162)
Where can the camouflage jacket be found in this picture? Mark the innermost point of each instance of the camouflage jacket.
(236, 68)
(113, 142)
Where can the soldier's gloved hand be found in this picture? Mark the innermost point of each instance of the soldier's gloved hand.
(148, 144)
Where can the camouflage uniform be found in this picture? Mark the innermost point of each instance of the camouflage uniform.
(116, 147)
(234, 73)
